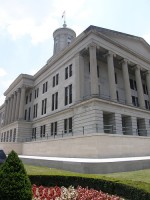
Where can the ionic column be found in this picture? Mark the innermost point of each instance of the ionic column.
(111, 76)
(21, 106)
(79, 78)
(139, 87)
(93, 70)
(126, 82)
(148, 83)
(17, 104)
(14, 108)
(6, 108)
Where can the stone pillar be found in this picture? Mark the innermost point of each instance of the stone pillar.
(9, 108)
(148, 82)
(134, 125)
(93, 70)
(6, 109)
(14, 108)
(21, 106)
(111, 76)
(139, 87)
(79, 77)
(147, 126)
(126, 82)
(17, 104)
(118, 123)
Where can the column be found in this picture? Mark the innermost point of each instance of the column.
(6, 108)
(111, 76)
(17, 104)
(93, 70)
(126, 82)
(79, 78)
(118, 123)
(21, 106)
(139, 87)
(134, 125)
(8, 113)
(14, 108)
(11, 110)
(147, 126)
(148, 83)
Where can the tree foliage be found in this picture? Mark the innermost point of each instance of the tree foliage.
(14, 182)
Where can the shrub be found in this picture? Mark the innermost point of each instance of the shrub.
(109, 186)
(14, 182)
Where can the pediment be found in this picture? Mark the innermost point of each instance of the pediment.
(136, 44)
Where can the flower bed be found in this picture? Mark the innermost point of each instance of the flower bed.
(70, 193)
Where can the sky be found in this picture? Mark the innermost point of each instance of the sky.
(27, 26)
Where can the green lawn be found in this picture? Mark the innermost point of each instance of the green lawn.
(139, 176)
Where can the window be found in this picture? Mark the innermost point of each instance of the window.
(26, 99)
(29, 114)
(36, 93)
(68, 95)
(117, 94)
(70, 70)
(145, 90)
(34, 133)
(66, 73)
(45, 87)
(97, 71)
(14, 135)
(42, 131)
(10, 138)
(35, 109)
(68, 125)
(147, 105)
(69, 40)
(4, 136)
(133, 84)
(30, 97)
(54, 101)
(54, 128)
(44, 104)
(55, 80)
(135, 101)
(7, 136)
(116, 81)
(25, 114)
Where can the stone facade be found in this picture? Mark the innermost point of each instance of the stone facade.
(98, 82)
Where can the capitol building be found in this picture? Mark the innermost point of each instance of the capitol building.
(91, 99)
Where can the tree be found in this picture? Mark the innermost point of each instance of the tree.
(14, 182)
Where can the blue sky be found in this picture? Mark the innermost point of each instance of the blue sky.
(26, 28)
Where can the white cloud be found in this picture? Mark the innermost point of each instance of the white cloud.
(2, 72)
(2, 99)
(147, 37)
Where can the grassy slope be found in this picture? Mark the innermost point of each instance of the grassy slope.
(140, 179)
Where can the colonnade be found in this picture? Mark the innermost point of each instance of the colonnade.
(14, 106)
(111, 77)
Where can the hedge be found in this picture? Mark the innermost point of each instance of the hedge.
(108, 186)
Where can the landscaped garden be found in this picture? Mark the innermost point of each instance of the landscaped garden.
(26, 182)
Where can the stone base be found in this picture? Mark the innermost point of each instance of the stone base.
(90, 166)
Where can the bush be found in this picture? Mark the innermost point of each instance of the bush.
(14, 182)
(108, 186)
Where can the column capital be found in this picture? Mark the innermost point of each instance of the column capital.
(137, 67)
(147, 72)
(109, 54)
(92, 44)
(124, 61)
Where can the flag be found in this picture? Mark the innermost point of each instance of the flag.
(63, 15)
